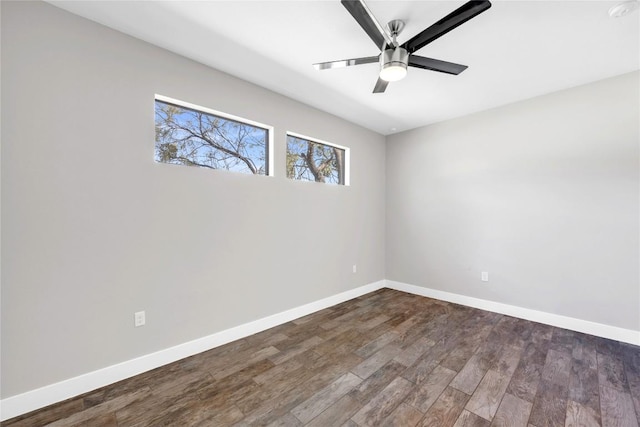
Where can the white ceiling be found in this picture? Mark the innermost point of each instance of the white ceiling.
(515, 50)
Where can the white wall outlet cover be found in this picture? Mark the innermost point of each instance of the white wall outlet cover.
(484, 276)
(139, 318)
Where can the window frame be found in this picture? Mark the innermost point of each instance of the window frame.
(347, 156)
(226, 116)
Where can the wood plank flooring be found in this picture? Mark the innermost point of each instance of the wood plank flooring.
(383, 359)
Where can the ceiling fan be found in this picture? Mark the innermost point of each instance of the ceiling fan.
(394, 57)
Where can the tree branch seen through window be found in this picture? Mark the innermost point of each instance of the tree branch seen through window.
(186, 136)
(313, 161)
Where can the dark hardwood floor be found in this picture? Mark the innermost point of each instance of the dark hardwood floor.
(384, 359)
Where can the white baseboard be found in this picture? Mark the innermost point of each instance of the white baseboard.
(598, 329)
(35, 399)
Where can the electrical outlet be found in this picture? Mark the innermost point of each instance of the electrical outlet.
(139, 318)
(484, 276)
(355, 268)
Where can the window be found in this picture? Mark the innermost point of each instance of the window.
(195, 136)
(309, 160)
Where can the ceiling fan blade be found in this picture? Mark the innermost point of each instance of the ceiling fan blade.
(368, 22)
(436, 65)
(381, 86)
(446, 24)
(346, 62)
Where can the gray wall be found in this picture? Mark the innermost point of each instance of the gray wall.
(93, 230)
(543, 194)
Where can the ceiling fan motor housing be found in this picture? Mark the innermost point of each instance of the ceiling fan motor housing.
(394, 64)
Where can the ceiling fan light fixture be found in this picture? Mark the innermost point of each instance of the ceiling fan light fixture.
(394, 64)
(393, 73)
